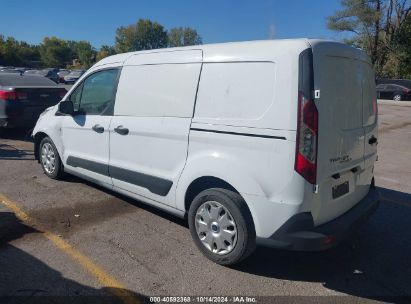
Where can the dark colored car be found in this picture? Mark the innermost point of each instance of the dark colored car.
(48, 73)
(403, 82)
(393, 92)
(23, 98)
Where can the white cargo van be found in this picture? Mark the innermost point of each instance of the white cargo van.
(264, 142)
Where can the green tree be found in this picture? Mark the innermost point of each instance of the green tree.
(105, 51)
(29, 55)
(375, 26)
(144, 35)
(85, 53)
(180, 36)
(55, 52)
(18, 53)
(9, 51)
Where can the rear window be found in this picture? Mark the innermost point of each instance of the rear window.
(25, 80)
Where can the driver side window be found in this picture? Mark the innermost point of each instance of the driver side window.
(96, 94)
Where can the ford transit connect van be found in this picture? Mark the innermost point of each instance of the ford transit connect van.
(265, 142)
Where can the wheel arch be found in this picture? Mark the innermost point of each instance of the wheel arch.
(38, 137)
(203, 183)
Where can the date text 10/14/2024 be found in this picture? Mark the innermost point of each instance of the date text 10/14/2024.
(203, 299)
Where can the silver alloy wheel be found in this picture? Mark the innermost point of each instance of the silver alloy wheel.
(397, 97)
(48, 158)
(216, 227)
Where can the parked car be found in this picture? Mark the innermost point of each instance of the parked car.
(62, 74)
(255, 142)
(393, 91)
(11, 71)
(23, 98)
(403, 82)
(48, 73)
(73, 76)
(32, 72)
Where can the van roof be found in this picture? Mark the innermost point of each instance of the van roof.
(210, 50)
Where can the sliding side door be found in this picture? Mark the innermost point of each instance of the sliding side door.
(152, 117)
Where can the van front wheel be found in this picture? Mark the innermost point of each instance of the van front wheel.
(221, 226)
(49, 159)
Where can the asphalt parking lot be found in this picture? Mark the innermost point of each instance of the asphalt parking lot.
(68, 238)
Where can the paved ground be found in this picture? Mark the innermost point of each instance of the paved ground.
(78, 239)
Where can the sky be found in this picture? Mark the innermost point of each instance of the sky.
(215, 20)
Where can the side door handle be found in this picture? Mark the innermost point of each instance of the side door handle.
(373, 140)
(121, 130)
(97, 128)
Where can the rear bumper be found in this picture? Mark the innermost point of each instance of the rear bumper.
(17, 115)
(299, 232)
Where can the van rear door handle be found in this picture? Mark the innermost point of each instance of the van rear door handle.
(373, 140)
(121, 130)
(97, 128)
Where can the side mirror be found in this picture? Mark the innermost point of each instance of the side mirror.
(66, 107)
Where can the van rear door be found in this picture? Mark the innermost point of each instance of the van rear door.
(345, 87)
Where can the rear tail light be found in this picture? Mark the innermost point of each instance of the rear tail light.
(307, 139)
(8, 95)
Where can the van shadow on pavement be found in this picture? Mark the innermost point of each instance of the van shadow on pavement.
(26, 279)
(376, 264)
(15, 145)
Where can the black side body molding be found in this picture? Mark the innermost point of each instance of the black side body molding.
(88, 165)
(240, 134)
(154, 184)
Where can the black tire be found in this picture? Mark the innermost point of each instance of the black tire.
(235, 204)
(58, 172)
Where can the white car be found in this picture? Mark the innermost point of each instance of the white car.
(264, 142)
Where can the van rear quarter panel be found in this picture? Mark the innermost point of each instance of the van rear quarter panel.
(260, 169)
(261, 166)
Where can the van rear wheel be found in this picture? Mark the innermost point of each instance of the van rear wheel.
(221, 226)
